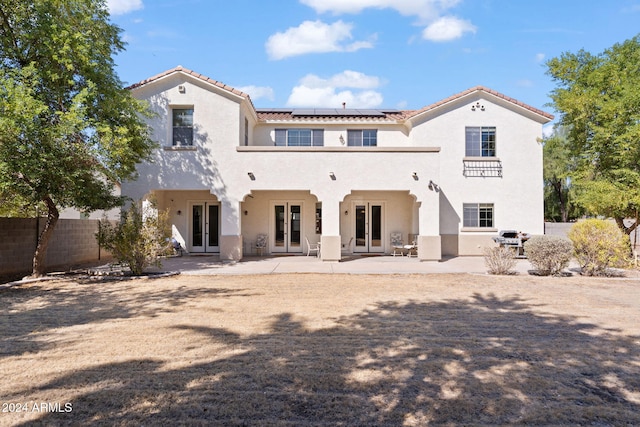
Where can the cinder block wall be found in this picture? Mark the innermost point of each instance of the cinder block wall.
(73, 242)
(557, 228)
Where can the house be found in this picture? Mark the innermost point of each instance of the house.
(448, 176)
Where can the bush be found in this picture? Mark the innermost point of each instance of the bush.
(549, 255)
(138, 240)
(500, 260)
(599, 245)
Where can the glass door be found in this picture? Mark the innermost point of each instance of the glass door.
(204, 224)
(287, 227)
(368, 227)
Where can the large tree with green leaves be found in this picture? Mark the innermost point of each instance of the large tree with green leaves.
(558, 166)
(69, 131)
(598, 97)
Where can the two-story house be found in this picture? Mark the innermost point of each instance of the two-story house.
(450, 175)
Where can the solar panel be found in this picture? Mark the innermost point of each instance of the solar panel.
(325, 112)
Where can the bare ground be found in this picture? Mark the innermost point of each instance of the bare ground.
(313, 349)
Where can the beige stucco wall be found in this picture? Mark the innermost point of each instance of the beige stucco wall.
(431, 146)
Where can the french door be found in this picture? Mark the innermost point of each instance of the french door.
(286, 226)
(204, 227)
(368, 227)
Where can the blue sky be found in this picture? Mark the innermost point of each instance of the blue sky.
(401, 54)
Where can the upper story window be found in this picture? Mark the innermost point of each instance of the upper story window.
(300, 137)
(362, 138)
(246, 131)
(477, 215)
(182, 126)
(480, 141)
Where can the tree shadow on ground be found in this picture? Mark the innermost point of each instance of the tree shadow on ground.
(27, 313)
(459, 362)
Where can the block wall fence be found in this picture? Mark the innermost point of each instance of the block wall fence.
(73, 243)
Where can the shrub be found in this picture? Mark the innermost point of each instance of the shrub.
(499, 260)
(549, 255)
(599, 245)
(138, 240)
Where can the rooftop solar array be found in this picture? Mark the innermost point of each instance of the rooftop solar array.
(336, 112)
(328, 112)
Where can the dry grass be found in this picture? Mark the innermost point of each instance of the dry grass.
(324, 350)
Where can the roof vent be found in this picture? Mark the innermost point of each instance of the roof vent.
(181, 89)
(344, 105)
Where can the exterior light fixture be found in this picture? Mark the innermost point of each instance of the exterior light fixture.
(415, 176)
(341, 139)
(346, 213)
(433, 186)
(332, 176)
(252, 177)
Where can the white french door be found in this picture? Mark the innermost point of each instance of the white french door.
(204, 227)
(369, 227)
(286, 226)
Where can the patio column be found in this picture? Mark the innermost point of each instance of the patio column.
(429, 242)
(330, 239)
(230, 237)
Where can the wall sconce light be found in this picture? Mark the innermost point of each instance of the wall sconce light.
(433, 186)
(415, 176)
(246, 213)
(477, 107)
(179, 212)
(332, 176)
(252, 177)
(346, 213)
(341, 139)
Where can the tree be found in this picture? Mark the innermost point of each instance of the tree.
(598, 97)
(69, 131)
(556, 170)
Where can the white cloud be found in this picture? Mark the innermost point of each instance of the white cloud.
(429, 12)
(426, 10)
(257, 92)
(120, 7)
(547, 130)
(524, 83)
(332, 92)
(347, 78)
(447, 28)
(540, 57)
(313, 37)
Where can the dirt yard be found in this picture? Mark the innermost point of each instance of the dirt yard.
(312, 349)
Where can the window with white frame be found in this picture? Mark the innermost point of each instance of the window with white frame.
(480, 141)
(300, 137)
(479, 215)
(362, 137)
(182, 126)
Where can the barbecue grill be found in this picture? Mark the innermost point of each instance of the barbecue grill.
(512, 239)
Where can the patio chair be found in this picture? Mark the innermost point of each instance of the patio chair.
(261, 244)
(412, 247)
(397, 244)
(346, 250)
(312, 248)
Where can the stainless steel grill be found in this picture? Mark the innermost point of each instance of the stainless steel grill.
(512, 239)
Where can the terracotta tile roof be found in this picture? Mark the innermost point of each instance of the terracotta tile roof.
(480, 89)
(287, 115)
(202, 77)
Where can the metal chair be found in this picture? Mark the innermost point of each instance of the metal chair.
(312, 248)
(261, 244)
(397, 244)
